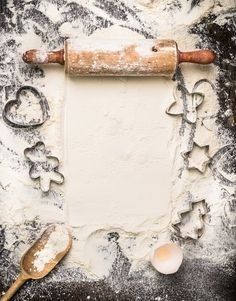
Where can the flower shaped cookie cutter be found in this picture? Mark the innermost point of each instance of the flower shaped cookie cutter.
(44, 167)
(185, 104)
(21, 113)
(188, 109)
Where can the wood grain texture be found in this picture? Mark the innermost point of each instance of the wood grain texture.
(161, 59)
(203, 57)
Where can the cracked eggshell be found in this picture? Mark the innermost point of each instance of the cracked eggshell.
(167, 258)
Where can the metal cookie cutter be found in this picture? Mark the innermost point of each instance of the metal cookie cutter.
(188, 110)
(229, 215)
(44, 167)
(223, 164)
(15, 111)
(198, 157)
(185, 104)
(188, 222)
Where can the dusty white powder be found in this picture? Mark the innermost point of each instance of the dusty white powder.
(118, 173)
(16, 196)
(57, 242)
(41, 56)
(114, 42)
(107, 145)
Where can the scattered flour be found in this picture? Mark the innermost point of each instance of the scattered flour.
(22, 202)
(57, 242)
(112, 149)
(41, 56)
(93, 126)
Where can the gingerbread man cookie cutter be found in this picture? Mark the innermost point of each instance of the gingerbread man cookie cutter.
(44, 166)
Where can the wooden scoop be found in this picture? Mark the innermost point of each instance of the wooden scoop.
(28, 270)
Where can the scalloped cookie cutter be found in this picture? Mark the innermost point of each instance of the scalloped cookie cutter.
(44, 167)
(10, 117)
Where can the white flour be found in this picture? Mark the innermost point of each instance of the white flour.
(151, 217)
(57, 242)
(100, 196)
(113, 151)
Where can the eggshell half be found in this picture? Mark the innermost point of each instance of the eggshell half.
(167, 258)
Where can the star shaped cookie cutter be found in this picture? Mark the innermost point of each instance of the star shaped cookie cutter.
(198, 157)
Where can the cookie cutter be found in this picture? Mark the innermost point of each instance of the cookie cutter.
(201, 81)
(185, 216)
(189, 102)
(8, 116)
(229, 215)
(223, 163)
(44, 167)
(188, 109)
(201, 166)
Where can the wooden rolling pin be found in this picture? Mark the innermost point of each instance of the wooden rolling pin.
(119, 58)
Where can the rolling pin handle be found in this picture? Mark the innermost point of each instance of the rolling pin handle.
(34, 56)
(198, 57)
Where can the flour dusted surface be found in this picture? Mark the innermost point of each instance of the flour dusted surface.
(91, 250)
(118, 149)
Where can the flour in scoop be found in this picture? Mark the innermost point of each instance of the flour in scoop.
(57, 243)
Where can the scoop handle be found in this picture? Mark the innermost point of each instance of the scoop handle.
(14, 287)
(198, 57)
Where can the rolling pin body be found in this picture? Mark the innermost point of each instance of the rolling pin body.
(91, 57)
(112, 57)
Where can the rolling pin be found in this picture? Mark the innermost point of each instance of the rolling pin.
(91, 57)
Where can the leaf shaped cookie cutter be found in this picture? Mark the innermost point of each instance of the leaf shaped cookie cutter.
(9, 118)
